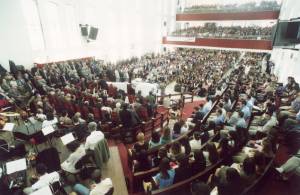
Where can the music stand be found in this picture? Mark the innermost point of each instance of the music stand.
(68, 138)
(15, 166)
(44, 190)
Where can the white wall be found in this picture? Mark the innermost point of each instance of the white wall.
(286, 63)
(14, 41)
(126, 28)
(286, 60)
(289, 9)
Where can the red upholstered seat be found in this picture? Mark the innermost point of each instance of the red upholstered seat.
(97, 113)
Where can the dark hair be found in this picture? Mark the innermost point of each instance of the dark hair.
(155, 137)
(162, 152)
(199, 157)
(73, 145)
(197, 135)
(41, 169)
(213, 153)
(186, 144)
(234, 137)
(50, 116)
(183, 161)
(259, 159)
(200, 188)
(64, 113)
(125, 106)
(176, 148)
(232, 175)
(249, 166)
(220, 111)
(224, 146)
(164, 166)
(177, 127)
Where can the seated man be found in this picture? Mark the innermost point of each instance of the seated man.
(44, 179)
(207, 106)
(94, 137)
(245, 109)
(265, 128)
(220, 119)
(78, 151)
(100, 187)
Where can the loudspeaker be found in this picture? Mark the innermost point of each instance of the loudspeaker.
(93, 33)
(84, 30)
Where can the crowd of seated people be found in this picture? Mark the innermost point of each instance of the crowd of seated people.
(229, 32)
(202, 77)
(251, 6)
(270, 119)
(244, 160)
(47, 103)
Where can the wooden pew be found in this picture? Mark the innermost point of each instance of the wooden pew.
(203, 175)
(251, 190)
(139, 176)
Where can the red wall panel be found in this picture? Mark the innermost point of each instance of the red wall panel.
(226, 43)
(261, 15)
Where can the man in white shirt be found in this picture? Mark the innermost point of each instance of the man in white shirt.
(78, 151)
(195, 143)
(101, 187)
(44, 179)
(94, 137)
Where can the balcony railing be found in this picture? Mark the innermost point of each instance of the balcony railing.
(229, 8)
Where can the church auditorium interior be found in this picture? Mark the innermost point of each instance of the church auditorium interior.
(149, 97)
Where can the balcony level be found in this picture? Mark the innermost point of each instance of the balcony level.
(250, 15)
(219, 43)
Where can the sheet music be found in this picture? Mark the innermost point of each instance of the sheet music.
(8, 127)
(48, 129)
(15, 166)
(68, 138)
(44, 190)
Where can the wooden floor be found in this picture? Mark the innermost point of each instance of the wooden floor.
(113, 169)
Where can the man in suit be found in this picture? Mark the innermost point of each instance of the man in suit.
(126, 116)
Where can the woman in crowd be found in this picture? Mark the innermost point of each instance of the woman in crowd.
(139, 150)
(211, 154)
(155, 139)
(166, 136)
(162, 153)
(199, 162)
(176, 151)
(248, 172)
(166, 174)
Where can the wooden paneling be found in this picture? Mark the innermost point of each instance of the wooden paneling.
(225, 43)
(262, 15)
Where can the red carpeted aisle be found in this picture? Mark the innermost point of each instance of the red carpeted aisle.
(189, 108)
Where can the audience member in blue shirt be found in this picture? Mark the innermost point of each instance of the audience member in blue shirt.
(207, 106)
(250, 102)
(241, 121)
(220, 119)
(245, 109)
(166, 174)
